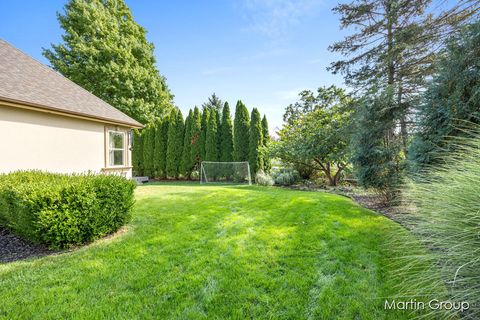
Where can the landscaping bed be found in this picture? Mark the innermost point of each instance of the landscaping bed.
(13, 248)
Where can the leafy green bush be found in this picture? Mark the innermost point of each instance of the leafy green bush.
(446, 214)
(64, 210)
(263, 179)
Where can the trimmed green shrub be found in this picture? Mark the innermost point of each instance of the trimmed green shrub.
(64, 210)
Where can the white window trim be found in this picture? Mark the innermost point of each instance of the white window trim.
(124, 149)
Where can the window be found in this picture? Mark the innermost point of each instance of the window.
(116, 148)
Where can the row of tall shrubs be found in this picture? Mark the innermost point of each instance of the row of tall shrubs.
(61, 210)
(173, 148)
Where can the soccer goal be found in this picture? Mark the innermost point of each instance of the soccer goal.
(226, 172)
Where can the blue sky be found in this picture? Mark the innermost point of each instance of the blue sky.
(260, 51)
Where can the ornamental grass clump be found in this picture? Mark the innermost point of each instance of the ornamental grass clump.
(264, 179)
(445, 205)
(61, 210)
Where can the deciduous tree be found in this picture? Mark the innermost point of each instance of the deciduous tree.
(319, 137)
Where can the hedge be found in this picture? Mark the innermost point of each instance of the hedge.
(64, 210)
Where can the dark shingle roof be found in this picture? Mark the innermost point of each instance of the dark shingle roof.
(24, 80)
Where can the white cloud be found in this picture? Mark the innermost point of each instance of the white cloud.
(274, 17)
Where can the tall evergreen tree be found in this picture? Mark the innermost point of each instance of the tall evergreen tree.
(219, 125)
(388, 50)
(196, 132)
(203, 134)
(255, 142)
(394, 46)
(226, 135)
(148, 150)
(241, 135)
(160, 150)
(211, 142)
(137, 153)
(267, 163)
(106, 52)
(214, 102)
(187, 146)
(175, 144)
(376, 159)
(451, 101)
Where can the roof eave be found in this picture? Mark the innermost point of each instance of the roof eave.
(48, 109)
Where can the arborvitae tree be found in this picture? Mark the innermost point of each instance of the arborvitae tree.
(203, 135)
(267, 164)
(186, 169)
(160, 151)
(211, 142)
(148, 150)
(241, 132)
(175, 144)
(452, 100)
(219, 125)
(106, 52)
(226, 135)
(255, 142)
(137, 153)
(196, 131)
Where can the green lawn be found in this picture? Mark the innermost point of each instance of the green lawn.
(218, 252)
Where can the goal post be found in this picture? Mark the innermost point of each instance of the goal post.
(225, 172)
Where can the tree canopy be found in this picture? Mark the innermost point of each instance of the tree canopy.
(213, 102)
(451, 104)
(106, 52)
(318, 137)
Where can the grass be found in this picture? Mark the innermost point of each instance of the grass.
(219, 252)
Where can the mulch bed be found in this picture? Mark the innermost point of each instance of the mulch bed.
(13, 248)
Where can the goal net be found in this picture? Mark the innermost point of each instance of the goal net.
(227, 172)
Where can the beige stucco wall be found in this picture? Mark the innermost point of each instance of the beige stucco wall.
(55, 143)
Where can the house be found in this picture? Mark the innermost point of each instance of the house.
(49, 123)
